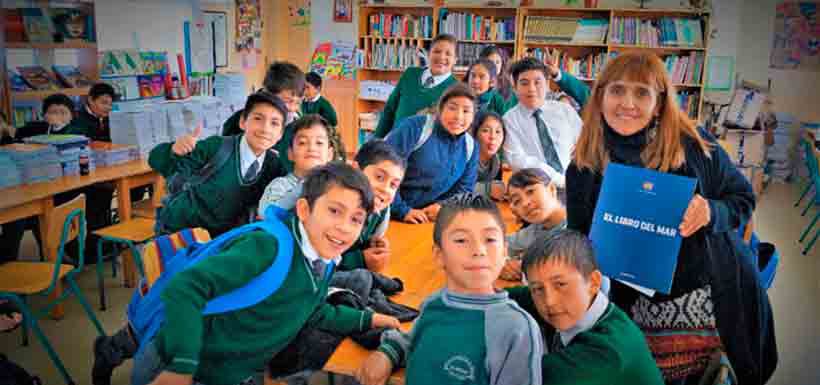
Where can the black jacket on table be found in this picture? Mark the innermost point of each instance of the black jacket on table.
(714, 255)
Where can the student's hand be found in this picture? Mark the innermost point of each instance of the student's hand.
(416, 216)
(552, 66)
(375, 370)
(384, 321)
(511, 270)
(498, 191)
(696, 216)
(171, 378)
(375, 258)
(432, 211)
(186, 143)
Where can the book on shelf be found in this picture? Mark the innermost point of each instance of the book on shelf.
(23, 111)
(468, 26)
(689, 102)
(661, 32)
(13, 26)
(38, 78)
(548, 29)
(71, 76)
(38, 25)
(395, 56)
(16, 82)
(591, 31)
(685, 69)
(390, 25)
(467, 53)
(587, 67)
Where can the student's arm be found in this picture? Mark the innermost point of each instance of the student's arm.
(403, 138)
(329, 113)
(188, 292)
(341, 319)
(280, 193)
(497, 104)
(388, 116)
(514, 347)
(573, 87)
(737, 199)
(518, 158)
(163, 159)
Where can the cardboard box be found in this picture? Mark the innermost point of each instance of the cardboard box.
(749, 147)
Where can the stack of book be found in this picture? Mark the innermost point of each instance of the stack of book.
(467, 53)
(547, 29)
(685, 69)
(35, 162)
(468, 26)
(396, 56)
(23, 111)
(389, 25)
(10, 176)
(110, 154)
(584, 68)
(132, 128)
(662, 32)
(591, 31)
(69, 148)
(688, 101)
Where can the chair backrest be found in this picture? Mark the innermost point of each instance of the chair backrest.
(811, 157)
(67, 223)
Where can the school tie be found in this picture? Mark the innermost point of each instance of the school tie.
(252, 171)
(547, 146)
(428, 83)
(319, 269)
(557, 343)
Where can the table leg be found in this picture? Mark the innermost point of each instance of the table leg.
(124, 199)
(50, 251)
(159, 191)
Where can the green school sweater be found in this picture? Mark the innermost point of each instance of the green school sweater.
(492, 101)
(408, 98)
(224, 349)
(353, 258)
(84, 123)
(221, 202)
(468, 339)
(323, 108)
(612, 352)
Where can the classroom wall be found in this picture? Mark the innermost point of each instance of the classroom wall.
(325, 29)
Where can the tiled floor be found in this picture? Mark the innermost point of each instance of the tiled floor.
(794, 297)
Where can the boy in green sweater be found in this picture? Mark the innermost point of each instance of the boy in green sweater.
(419, 89)
(232, 348)
(467, 333)
(315, 103)
(384, 169)
(591, 341)
(226, 197)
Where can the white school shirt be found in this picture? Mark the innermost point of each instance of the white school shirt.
(437, 79)
(522, 147)
(247, 157)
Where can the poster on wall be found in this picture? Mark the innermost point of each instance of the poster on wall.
(343, 11)
(334, 60)
(248, 32)
(299, 11)
(796, 43)
(220, 26)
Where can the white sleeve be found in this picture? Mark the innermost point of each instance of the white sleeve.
(516, 155)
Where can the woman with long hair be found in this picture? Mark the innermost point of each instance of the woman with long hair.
(716, 304)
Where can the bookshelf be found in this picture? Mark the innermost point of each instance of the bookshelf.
(573, 50)
(45, 53)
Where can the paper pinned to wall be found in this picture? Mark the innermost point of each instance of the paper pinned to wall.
(220, 27)
(720, 73)
(199, 48)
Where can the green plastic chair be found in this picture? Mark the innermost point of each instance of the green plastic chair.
(814, 177)
(19, 280)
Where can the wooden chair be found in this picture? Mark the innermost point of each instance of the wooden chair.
(18, 280)
(129, 233)
(145, 209)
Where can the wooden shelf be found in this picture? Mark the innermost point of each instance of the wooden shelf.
(488, 41)
(40, 95)
(688, 85)
(661, 48)
(365, 99)
(566, 44)
(395, 38)
(66, 45)
(384, 69)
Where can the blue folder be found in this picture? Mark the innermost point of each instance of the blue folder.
(635, 226)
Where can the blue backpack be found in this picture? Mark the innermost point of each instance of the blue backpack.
(146, 312)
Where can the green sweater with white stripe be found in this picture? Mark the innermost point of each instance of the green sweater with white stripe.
(224, 349)
(409, 98)
(468, 339)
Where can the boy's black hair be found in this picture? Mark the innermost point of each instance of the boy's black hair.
(455, 91)
(530, 176)
(528, 64)
(59, 100)
(320, 179)
(444, 37)
(101, 89)
(483, 116)
(459, 204)
(490, 66)
(308, 121)
(376, 151)
(565, 245)
(264, 97)
(284, 76)
(314, 79)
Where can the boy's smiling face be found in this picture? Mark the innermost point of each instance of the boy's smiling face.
(334, 222)
(442, 58)
(531, 88)
(561, 293)
(472, 252)
(534, 203)
(385, 178)
(311, 147)
(263, 127)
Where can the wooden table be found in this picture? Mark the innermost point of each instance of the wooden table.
(37, 199)
(411, 259)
